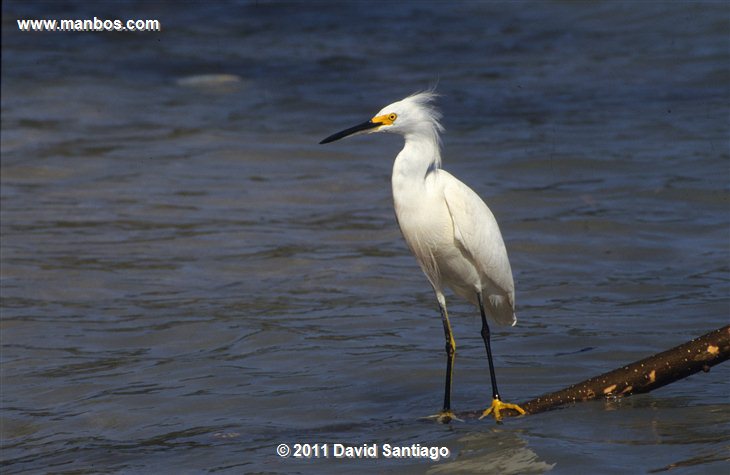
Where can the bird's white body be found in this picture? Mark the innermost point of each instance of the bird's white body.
(455, 239)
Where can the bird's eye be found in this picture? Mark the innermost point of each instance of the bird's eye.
(392, 117)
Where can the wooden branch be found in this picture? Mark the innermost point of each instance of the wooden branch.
(642, 376)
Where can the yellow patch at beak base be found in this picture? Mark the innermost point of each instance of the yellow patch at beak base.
(386, 119)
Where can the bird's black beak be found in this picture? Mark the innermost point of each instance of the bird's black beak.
(352, 130)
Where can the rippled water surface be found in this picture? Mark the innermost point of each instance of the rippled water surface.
(190, 280)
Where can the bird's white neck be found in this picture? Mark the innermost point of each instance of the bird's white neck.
(420, 155)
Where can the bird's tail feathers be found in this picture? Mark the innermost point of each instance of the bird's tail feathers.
(502, 310)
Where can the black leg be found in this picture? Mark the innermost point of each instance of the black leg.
(450, 352)
(487, 344)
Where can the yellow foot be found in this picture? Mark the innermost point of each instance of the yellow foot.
(444, 417)
(497, 407)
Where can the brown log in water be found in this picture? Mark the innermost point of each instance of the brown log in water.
(642, 376)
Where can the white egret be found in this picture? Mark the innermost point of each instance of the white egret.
(449, 229)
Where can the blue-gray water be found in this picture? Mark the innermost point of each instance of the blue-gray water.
(189, 279)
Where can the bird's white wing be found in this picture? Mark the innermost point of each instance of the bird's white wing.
(477, 233)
